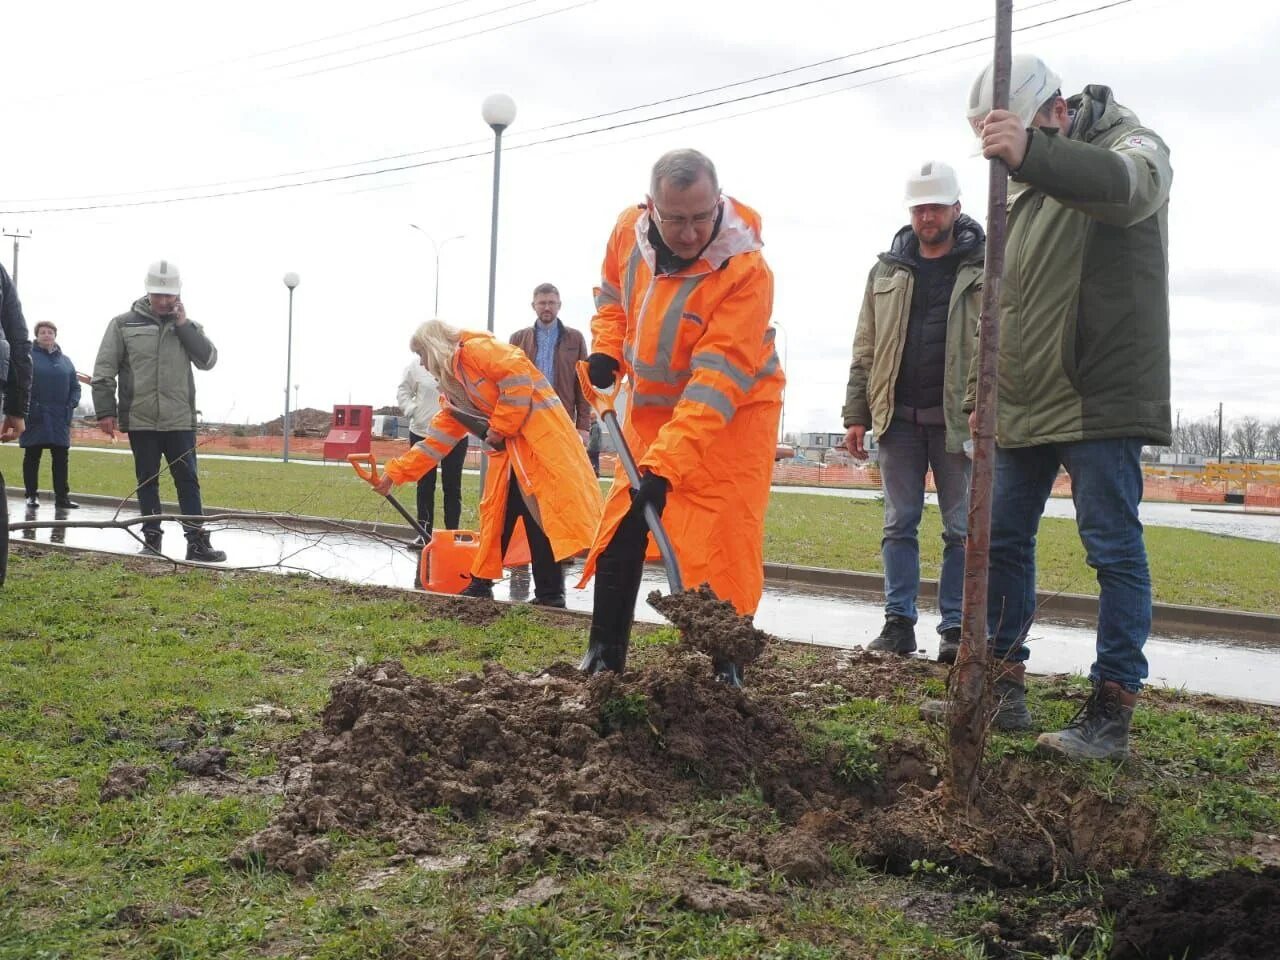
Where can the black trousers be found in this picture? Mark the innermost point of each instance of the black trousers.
(450, 469)
(31, 469)
(178, 447)
(548, 575)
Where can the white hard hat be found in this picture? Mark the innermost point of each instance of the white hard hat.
(933, 182)
(1031, 84)
(162, 277)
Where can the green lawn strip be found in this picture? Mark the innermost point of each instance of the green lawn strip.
(1187, 567)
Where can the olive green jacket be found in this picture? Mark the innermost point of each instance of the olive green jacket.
(882, 332)
(150, 358)
(1084, 306)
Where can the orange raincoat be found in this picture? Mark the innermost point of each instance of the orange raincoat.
(703, 395)
(546, 454)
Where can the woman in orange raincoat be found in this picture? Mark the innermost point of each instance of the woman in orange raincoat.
(538, 469)
(683, 312)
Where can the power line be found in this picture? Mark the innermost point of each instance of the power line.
(571, 136)
(535, 130)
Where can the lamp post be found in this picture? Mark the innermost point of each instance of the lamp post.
(290, 281)
(436, 248)
(499, 112)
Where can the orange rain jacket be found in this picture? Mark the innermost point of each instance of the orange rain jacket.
(703, 395)
(542, 449)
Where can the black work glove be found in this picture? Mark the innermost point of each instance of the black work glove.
(653, 489)
(601, 370)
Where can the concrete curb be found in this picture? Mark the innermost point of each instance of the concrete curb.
(1167, 618)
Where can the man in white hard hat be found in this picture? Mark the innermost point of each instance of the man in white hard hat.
(907, 380)
(148, 352)
(1083, 370)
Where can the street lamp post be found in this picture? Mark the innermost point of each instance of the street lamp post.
(290, 281)
(436, 248)
(499, 112)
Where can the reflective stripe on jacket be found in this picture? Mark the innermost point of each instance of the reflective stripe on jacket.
(542, 449)
(703, 394)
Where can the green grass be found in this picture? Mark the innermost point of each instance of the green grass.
(102, 659)
(1187, 567)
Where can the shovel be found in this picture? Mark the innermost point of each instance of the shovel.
(371, 477)
(602, 403)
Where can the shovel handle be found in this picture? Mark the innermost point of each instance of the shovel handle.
(600, 401)
(370, 475)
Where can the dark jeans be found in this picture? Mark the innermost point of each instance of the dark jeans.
(594, 457)
(451, 469)
(548, 575)
(178, 447)
(1106, 486)
(31, 470)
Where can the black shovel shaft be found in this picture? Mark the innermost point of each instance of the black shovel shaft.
(405, 513)
(651, 517)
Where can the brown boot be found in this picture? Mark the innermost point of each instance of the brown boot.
(1099, 730)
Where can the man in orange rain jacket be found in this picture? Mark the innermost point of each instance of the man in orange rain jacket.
(538, 470)
(683, 313)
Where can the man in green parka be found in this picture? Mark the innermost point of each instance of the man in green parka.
(1083, 369)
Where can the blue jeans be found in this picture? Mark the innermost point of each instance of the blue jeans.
(178, 447)
(907, 451)
(1106, 486)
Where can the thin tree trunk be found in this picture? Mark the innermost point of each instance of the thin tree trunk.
(968, 715)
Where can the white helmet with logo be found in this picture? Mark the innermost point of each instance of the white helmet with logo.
(162, 277)
(1031, 84)
(933, 182)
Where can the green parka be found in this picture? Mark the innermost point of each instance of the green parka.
(882, 332)
(151, 357)
(1084, 306)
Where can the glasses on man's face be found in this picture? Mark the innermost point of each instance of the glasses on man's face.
(679, 223)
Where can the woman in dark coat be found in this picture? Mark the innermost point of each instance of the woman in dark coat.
(55, 394)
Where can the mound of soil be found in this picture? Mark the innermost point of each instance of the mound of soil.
(565, 765)
(1228, 915)
(711, 625)
(123, 780)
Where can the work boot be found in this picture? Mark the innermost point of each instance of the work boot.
(201, 550)
(727, 672)
(898, 636)
(1010, 693)
(151, 543)
(480, 588)
(65, 503)
(619, 570)
(949, 645)
(1099, 730)
(554, 600)
(33, 501)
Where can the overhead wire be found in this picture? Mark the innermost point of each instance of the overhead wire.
(535, 130)
(573, 135)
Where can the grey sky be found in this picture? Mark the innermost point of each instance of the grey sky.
(125, 99)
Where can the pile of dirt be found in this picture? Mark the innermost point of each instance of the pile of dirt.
(711, 625)
(1228, 915)
(565, 765)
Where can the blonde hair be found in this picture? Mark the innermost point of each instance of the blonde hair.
(435, 342)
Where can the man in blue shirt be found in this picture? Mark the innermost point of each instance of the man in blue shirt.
(555, 350)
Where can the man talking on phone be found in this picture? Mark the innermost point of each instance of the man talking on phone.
(148, 352)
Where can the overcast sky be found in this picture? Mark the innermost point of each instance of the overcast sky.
(134, 99)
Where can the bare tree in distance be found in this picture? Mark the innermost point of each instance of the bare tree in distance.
(1246, 438)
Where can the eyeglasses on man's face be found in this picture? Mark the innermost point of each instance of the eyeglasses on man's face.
(706, 218)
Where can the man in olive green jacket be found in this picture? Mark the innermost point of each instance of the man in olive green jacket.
(911, 357)
(149, 352)
(1083, 369)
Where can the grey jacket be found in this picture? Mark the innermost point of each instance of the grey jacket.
(151, 360)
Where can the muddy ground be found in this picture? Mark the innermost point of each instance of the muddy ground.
(564, 766)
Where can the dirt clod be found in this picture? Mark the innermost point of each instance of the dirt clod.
(123, 780)
(711, 625)
(1225, 916)
(207, 762)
